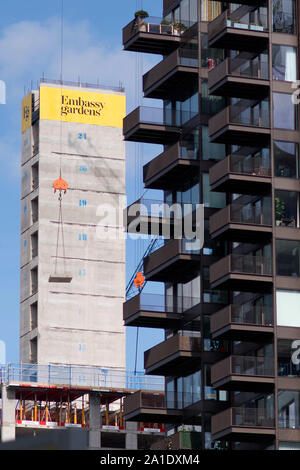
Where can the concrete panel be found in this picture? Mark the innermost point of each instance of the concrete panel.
(81, 139)
(81, 347)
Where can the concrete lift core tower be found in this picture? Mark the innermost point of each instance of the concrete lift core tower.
(77, 128)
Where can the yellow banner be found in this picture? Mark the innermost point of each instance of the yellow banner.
(100, 109)
(26, 112)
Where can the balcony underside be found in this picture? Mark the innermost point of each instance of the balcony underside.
(242, 184)
(245, 434)
(179, 363)
(151, 319)
(240, 87)
(178, 82)
(154, 415)
(238, 332)
(242, 232)
(172, 175)
(152, 133)
(152, 43)
(243, 282)
(241, 135)
(182, 267)
(239, 39)
(245, 383)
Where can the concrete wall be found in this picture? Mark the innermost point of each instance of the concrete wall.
(81, 322)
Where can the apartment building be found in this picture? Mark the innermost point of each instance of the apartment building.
(228, 121)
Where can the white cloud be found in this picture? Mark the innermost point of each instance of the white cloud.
(29, 49)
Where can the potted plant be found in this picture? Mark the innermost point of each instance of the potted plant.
(179, 28)
(139, 16)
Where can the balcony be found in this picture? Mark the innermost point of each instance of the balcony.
(149, 407)
(242, 124)
(242, 222)
(243, 323)
(241, 174)
(240, 77)
(174, 356)
(149, 216)
(176, 75)
(242, 272)
(171, 168)
(243, 424)
(151, 35)
(156, 310)
(234, 31)
(175, 260)
(154, 125)
(244, 373)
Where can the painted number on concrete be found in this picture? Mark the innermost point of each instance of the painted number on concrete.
(82, 236)
(82, 203)
(82, 136)
(83, 169)
(82, 272)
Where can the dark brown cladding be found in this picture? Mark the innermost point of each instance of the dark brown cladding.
(170, 168)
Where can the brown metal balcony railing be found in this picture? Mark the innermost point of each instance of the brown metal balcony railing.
(166, 169)
(240, 265)
(256, 168)
(238, 67)
(242, 417)
(165, 303)
(175, 348)
(180, 57)
(246, 314)
(244, 366)
(157, 116)
(232, 20)
(154, 35)
(240, 214)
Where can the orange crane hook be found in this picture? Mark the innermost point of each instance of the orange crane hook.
(60, 185)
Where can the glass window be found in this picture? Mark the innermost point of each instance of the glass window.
(211, 151)
(286, 159)
(284, 16)
(284, 445)
(287, 258)
(288, 409)
(210, 104)
(288, 356)
(193, 11)
(211, 199)
(284, 63)
(210, 56)
(288, 308)
(284, 111)
(286, 208)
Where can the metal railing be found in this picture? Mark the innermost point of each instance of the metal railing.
(254, 366)
(248, 314)
(252, 417)
(155, 25)
(256, 166)
(167, 303)
(73, 376)
(249, 264)
(80, 84)
(250, 214)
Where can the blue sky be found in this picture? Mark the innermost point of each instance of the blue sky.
(29, 49)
